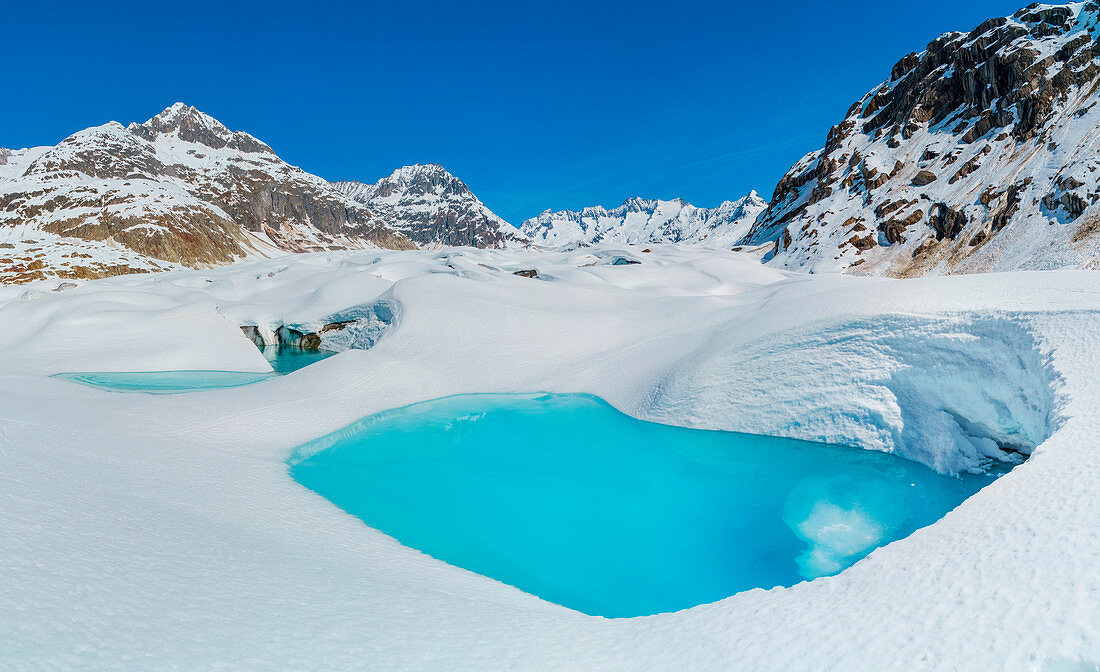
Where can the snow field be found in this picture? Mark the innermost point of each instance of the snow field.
(163, 532)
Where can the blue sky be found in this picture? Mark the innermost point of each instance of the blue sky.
(534, 104)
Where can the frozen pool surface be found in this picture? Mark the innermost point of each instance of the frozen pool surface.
(282, 360)
(569, 499)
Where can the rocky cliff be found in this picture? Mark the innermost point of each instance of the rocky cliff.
(977, 154)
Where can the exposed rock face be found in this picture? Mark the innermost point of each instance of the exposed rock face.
(432, 207)
(180, 189)
(976, 155)
(643, 221)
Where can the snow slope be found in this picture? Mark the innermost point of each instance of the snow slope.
(14, 161)
(639, 221)
(159, 532)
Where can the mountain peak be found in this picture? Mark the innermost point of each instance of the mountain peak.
(421, 168)
(636, 204)
(433, 207)
(180, 115)
(419, 180)
(418, 170)
(190, 124)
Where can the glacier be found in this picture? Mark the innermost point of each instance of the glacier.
(164, 532)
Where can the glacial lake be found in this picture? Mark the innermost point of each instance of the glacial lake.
(568, 499)
(282, 360)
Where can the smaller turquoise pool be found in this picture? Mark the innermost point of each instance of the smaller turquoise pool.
(566, 498)
(287, 360)
(283, 361)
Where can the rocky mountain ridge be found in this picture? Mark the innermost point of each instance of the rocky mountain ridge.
(641, 221)
(182, 189)
(432, 207)
(977, 154)
(179, 189)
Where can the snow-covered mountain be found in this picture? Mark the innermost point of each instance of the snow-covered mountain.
(640, 220)
(432, 207)
(180, 189)
(977, 154)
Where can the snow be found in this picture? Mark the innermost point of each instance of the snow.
(66, 255)
(14, 161)
(156, 532)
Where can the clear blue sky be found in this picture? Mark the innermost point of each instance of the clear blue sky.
(534, 104)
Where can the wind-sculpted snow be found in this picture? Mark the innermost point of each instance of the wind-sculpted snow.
(953, 393)
(164, 532)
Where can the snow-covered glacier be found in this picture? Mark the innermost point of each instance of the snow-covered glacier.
(164, 531)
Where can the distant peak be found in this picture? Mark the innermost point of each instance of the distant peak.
(646, 220)
(635, 203)
(176, 108)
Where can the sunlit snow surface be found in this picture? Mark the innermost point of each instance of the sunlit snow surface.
(282, 360)
(569, 499)
(163, 531)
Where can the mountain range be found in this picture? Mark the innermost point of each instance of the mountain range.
(182, 190)
(977, 154)
(640, 220)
